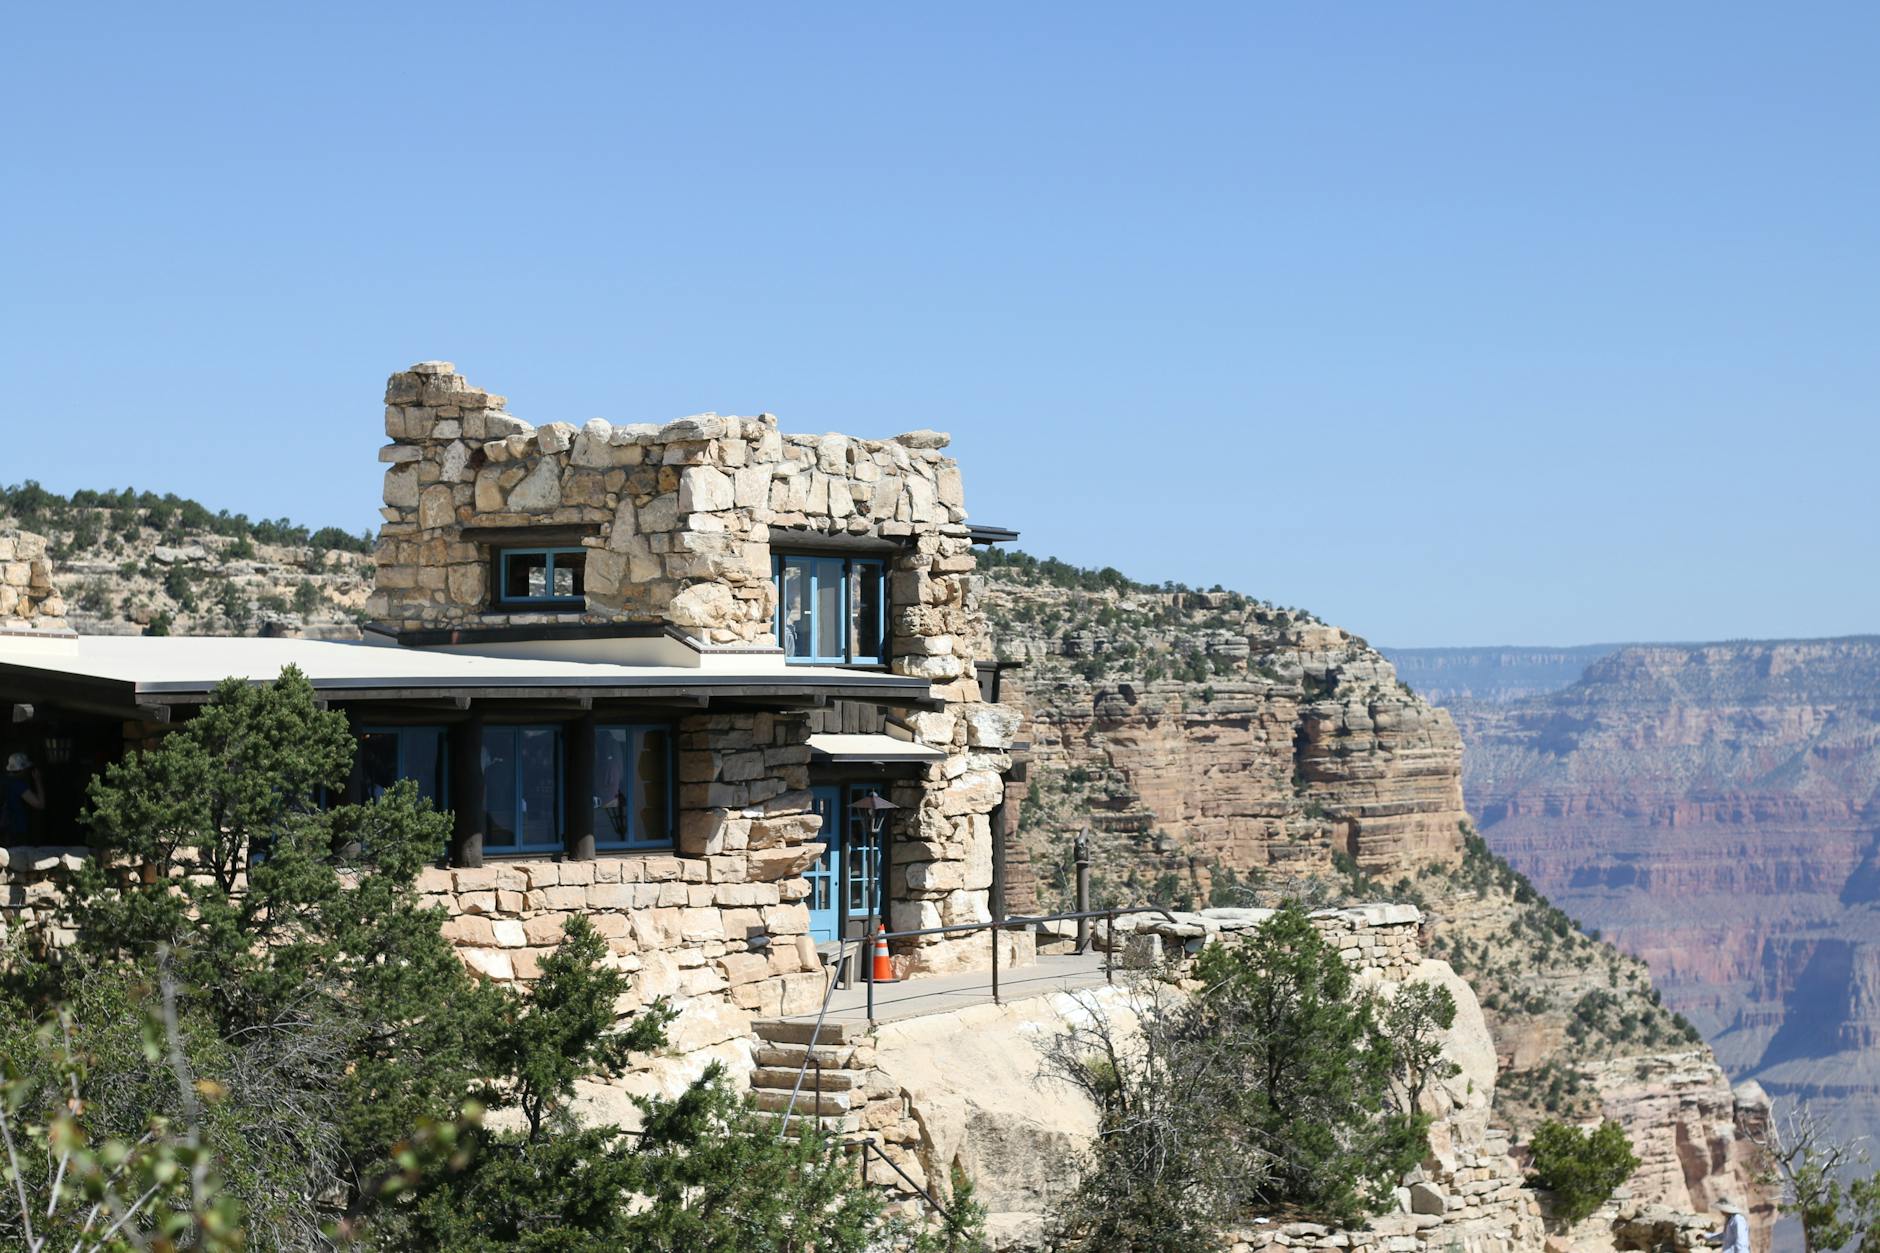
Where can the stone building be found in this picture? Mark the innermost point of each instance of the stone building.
(711, 684)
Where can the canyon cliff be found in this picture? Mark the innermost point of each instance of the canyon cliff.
(1220, 750)
(1714, 809)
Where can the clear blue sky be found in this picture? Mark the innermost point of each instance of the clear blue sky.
(1456, 324)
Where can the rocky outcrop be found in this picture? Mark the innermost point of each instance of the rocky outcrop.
(1198, 733)
(1715, 809)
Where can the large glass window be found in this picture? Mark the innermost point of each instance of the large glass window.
(388, 754)
(542, 576)
(522, 789)
(831, 609)
(632, 787)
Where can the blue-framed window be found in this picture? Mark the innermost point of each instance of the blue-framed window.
(522, 788)
(541, 576)
(422, 754)
(831, 610)
(632, 786)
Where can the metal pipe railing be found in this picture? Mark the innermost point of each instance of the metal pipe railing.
(869, 1146)
(809, 1050)
(997, 925)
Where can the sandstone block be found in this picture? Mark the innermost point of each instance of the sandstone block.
(704, 489)
(539, 491)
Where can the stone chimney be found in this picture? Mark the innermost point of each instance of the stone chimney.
(28, 599)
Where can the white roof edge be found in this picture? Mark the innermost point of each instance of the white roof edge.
(182, 665)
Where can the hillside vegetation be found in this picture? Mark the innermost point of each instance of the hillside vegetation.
(134, 562)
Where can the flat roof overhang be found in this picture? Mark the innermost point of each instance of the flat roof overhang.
(869, 748)
(136, 673)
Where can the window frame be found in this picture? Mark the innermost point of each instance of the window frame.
(636, 733)
(521, 848)
(505, 598)
(440, 802)
(810, 563)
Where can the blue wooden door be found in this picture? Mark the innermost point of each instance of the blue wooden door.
(825, 877)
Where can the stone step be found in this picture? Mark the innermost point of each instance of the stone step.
(784, 1078)
(790, 1056)
(829, 1124)
(794, 1031)
(807, 1102)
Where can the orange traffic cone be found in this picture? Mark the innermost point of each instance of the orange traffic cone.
(884, 967)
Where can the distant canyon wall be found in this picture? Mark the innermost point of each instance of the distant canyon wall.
(1714, 809)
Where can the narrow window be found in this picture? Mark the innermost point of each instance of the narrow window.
(632, 787)
(542, 576)
(829, 606)
(793, 608)
(862, 863)
(869, 613)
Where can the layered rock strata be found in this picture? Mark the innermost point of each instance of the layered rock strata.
(1202, 732)
(1715, 809)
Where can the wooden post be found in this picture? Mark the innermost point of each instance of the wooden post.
(466, 791)
(580, 788)
(1082, 847)
(996, 823)
(356, 777)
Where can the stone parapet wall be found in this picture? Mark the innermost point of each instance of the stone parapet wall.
(1380, 942)
(29, 601)
(681, 515)
(717, 951)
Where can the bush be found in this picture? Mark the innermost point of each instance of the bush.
(1581, 1168)
(1281, 1084)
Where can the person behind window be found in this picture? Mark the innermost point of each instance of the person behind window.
(610, 793)
(499, 792)
(21, 794)
(1734, 1238)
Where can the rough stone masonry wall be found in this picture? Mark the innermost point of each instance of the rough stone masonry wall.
(28, 599)
(683, 517)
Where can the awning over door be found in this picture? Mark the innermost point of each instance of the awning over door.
(870, 748)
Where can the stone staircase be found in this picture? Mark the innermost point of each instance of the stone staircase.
(839, 1057)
